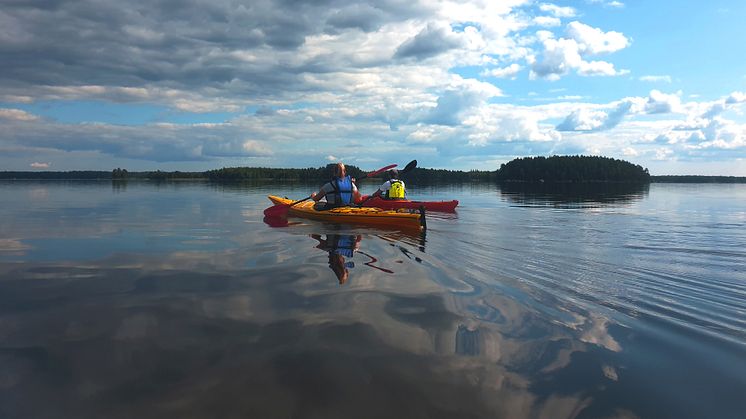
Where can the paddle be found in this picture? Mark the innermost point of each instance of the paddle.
(281, 210)
(383, 169)
(411, 165)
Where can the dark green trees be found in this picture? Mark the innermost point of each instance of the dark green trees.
(572, 169)
(319, 174)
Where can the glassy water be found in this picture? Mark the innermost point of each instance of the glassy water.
(177, 300)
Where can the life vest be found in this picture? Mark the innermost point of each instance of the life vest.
(396, 191)
(342, 190)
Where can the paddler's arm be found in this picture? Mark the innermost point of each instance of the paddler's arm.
(316, 196)
(356, 197)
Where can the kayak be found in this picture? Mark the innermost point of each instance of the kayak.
(445, 206)
(402, 218)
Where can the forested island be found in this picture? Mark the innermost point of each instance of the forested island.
(571, 169)
(565, 169)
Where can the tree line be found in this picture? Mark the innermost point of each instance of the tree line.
(527, 169)
(319, 174)
(697, 179)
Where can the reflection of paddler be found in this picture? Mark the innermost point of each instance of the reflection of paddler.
(339, 247)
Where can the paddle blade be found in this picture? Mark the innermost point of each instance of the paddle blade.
(276, 221)
(411, 165)
(278, 210)
(381, 170)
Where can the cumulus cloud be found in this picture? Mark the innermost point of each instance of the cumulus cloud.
(659, 102)
(459, 100)
(547, 21)
(157, 142)
(590, 119)
(560, 56)
(504, 72)
(256, 148)
(605, 117)
(450, 105)
(557, 11)
(656, 79)
(606, 3)
(17, 115)
(736, 97)
(680, 130)
(38, 165)
(431, 41)
(630, 152)
(595, 41)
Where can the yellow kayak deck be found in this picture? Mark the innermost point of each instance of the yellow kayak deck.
(404, 218)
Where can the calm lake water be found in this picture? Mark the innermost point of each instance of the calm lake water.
(176, 300)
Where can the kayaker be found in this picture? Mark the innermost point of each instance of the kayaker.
(339, 192)
(393, 188)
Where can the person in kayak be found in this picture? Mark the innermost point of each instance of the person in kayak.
(339, 192)
(393, 188)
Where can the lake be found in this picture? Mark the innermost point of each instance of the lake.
(176, 300)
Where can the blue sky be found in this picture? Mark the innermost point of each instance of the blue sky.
(454, 84)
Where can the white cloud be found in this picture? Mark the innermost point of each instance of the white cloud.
(584, 120)
(17, 115)
(505, 72)
(547, 21)
(606, 3)
(663, 153)
(605, 117)
(38, 165)
(736, 97)
(562, 55)
(595, 41)
(599, 68)
(630, 152)
(659, 102)
(557, 11)
(256, 148)
(656, 79)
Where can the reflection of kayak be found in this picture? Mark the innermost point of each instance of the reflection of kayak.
(402, 218)
(446, 206)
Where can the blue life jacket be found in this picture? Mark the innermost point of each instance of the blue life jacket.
(342, 190)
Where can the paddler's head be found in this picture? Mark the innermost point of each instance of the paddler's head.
(340, 171)
(393, 174)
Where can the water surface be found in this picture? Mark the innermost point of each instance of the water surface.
(177, 300)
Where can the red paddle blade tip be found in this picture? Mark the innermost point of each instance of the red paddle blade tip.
(276, 221)
(278, 210)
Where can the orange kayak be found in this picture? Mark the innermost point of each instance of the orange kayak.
(403, 218)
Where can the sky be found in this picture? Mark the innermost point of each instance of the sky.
(204, 84)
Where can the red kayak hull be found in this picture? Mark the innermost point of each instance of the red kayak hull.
(442, 206)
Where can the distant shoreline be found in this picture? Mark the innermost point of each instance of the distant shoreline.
(92, 175)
